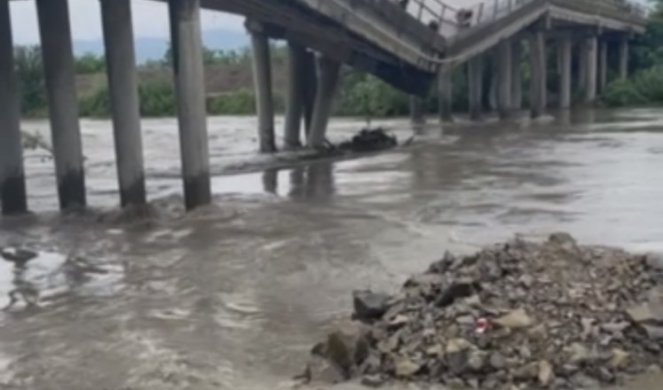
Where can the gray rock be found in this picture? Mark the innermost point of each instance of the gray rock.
(457, 290)
(654, 332)
(582, 381)
(526, 372)
(645, 312)
(605, 375)
(406, 368)
(323, 370)
(477, 360)
(619, 359)
(346, 347)
(497, 361)
(515, 319)
(369, 305)
(615, 327)
(372, 380)
(546, 373)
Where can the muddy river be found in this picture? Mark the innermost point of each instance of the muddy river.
(233, 295)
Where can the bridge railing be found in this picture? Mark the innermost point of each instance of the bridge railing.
(447, 20)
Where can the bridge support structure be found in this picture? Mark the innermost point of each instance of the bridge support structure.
(310, 90)
(445, 89)
(603, 65)
(475, 85)
(623, 57)
(417, 110)
(516, 75)
(504, 83)
(123, 89)
(12, 177)
(565, 50)
(539, 77)
(191, 109)
(328, 73)
(262, 80)
(591, 63)
(60, 74)
(295, 98)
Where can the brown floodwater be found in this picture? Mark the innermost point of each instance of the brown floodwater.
(232, 296)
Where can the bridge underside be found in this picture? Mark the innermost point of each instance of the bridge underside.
(294, 22)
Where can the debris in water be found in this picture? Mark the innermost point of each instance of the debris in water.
(553, 315)
(370, 140)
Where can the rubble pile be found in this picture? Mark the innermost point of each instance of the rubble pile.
(519, 315)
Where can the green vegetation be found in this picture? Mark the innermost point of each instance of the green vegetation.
(645, 85)
(30, 72)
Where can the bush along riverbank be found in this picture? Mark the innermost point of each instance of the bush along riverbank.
(517, 315)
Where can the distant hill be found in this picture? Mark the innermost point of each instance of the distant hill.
(154, 48)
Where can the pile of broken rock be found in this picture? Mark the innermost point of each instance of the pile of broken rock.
(519, 315)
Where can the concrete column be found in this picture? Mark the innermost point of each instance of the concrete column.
(565, 56)
(504, 84)
(328, 72)
(190, 89)
(591, 52)
(125, 106)
(417, 110)
(623, 57)
(262, 80)
(295, 99)
(492, 91)
(12, 177)
(58, 58)
(582, 66)
(538, 74)
(445, 85)
(475, 84)
(516, 75)
(310, 88)
(603, 65)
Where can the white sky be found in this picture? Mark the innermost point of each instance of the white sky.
(150, 20)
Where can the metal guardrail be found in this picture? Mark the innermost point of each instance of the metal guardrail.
(447, 20)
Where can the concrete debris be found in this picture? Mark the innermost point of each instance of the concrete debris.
(553, 315)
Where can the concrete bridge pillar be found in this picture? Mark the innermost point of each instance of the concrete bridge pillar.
(58, 59)
(12, 178)
(310, 89)
(516, 75)
(328, 72)
(603, 66)
(296, 92)
(123, 88)
(417, 110)
(591, 54)
(445, 85)
(565, 57)
(191, 110)
(623, 57)
(262, 79)
(539, 77)
(504, 83)
(475, 85)
(582, 66)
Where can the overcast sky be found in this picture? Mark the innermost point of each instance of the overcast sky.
(150, 20)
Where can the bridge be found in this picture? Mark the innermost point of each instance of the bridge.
(411, 44)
